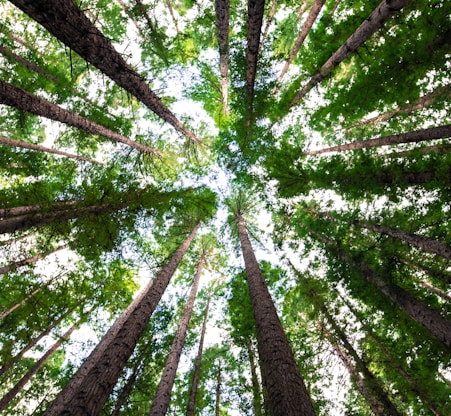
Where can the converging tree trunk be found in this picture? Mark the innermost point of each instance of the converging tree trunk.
(218, 389)
(68, 23)
(383, 12)
(271, 13)
(88, 389)
(197, 363)
(256, 391)
(417, 136)
(162, 398)
(222, 9)
(286, 389)
(23, 100)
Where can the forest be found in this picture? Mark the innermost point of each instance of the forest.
(228, 208)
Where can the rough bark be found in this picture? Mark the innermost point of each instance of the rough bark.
(424, 243)
(25, 145)
(286, 389)
(222, 10)
(6, 399)
(31, 209)
(162, 398)
(314, 12)
(196, 376)
(29, 260)
(383, 12)
(89, 388)
(25, 101)
(416, 136)
(65, 20)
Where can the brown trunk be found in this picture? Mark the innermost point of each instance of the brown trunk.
(68, 23)
(89, 388)
(383, 12)
(23, 100)
(6, 399)
(25, 145)
(314, 12)
(29, 260)
(171, 12)
(256, 393)
(419, 104)
(32, 209)
(196, 376)
(162, 398)
(218, 391)
(424, 243)
(271, 13)
(255, 10)
(394, 362)
(222, 9)
(34, 342)
(437, 291)
(417, 136)
(368, 385)
(286, 390)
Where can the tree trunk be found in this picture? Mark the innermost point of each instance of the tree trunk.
(162, 398)
(25, 145)
(314, 12)
(218, 391)
(89, 388)
(287, 392)
(222, 9)
(171, 12)
(29, 260)
(23, 100)
(34, 342)
(419, 104)
(424, 243)
(68, 23)
(438, 292)
(255, 10)
(368, 385)
(256, 393)
(196, 376)
(417, 136)
(271, 13)
(394, 362)
(6, 399)
(383, 12)
(32, 209)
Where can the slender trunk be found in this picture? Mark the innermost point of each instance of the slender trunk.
(314, 12)
(424, 243)
(196, 376)
(171, 12)
(29, 260)
(89, 388)
(25, 145)
(23, 100)
(287, 392)
(34, 342)
(393, 361)
(271, 13)
(256, 393)
(417, 136)
(162, 398)
(32, 209)
(419, 104)
(222, 10)
(68, 23)
(6, 399)
(382, 13)
(218, 390)
(437, 291)
(438, 325)
(376, 397)
(440, 275)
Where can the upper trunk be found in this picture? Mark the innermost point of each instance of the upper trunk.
(68, 23)
(162, 398)
(222, 9)
(286, 390)
(383, 12)
(271, 13)
(89, 388)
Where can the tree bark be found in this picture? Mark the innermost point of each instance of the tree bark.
(32, 209)
(271, 13)
(89, 388)
(171, 12)
(286, 390)
(23, 100)
(68, 23)
(25, 145)
(218, 390)
(416, 136)
(222, 10)
(162, 398)
(256, 393)
(314, 12)
(196, 376)
(382, 13)
(6, 399)
(29, 260)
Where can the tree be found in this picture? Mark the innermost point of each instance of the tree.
(222, 9)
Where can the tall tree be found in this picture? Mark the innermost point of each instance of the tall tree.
(222, 9)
